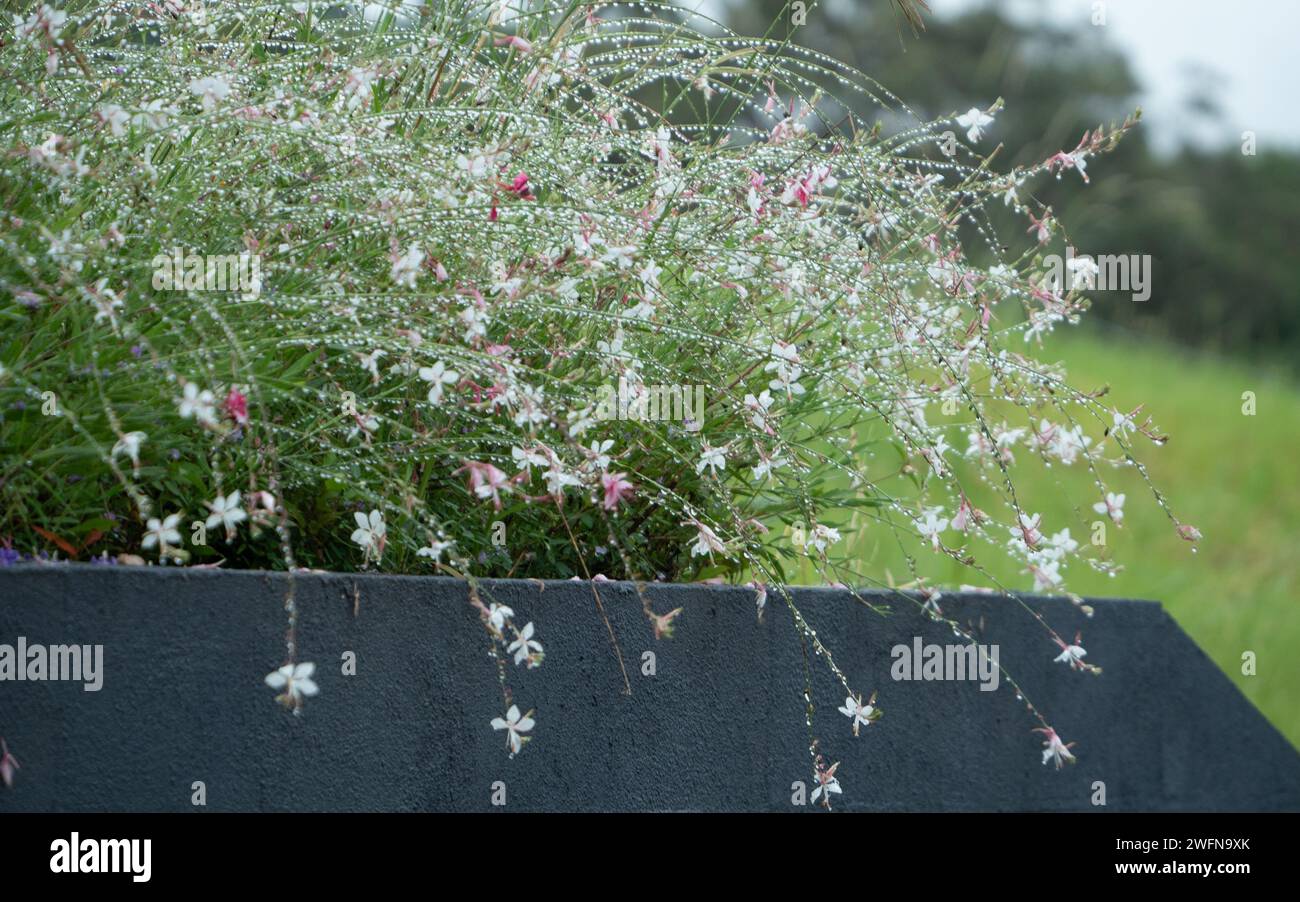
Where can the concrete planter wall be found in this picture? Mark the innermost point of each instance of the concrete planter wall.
(718, 727)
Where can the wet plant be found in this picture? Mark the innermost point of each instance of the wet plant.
(543, 290)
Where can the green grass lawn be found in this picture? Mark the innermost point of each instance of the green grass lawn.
(1231, 475)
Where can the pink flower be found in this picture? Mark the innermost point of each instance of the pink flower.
(486, 481)
(616, 489)
(797, 190)
(1054, 749)
(1040, 226)
(519, 187)
(516, 42)
(8, 764)
(966, 515)
(1028, 529)
(236, 406)
(663, 623)
(1075, 159)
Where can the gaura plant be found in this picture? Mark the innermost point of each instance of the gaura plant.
(524, 289)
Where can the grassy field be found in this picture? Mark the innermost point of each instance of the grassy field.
(1233, 476)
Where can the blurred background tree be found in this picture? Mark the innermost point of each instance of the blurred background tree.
(1222, 227)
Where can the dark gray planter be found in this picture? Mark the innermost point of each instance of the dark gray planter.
(720, 726)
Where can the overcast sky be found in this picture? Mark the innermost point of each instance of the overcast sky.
(1250, 48)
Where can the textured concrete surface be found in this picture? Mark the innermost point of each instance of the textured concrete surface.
(719, 727)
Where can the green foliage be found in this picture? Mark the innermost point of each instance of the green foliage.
(1221, 227)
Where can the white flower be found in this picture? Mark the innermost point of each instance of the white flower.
(620, 256)
(650, 275)
(1054, 749)
(212, 89)
(515, 724)
(1083, 272)
(437, 376)
(434, 549)
(1121, 423)
(476, 166)
(370, 363)
(226, 512)
(612, 349)
(406, 268)
(1047, 574)
(527, 459)
(1072, 654)
(823, 537)
(760, 406)
(598, 453)
(475, 321)
(162, 533)
(498, 615)
(766, 465)
(930, 524)
(1027, 533)
(974, 121)
(1079, 164)
(296, 681)
(105, 299)
(366, 425)
(827, 783)
(713, 459)
(357, 90)
(153, 116)
(45, 19)
(1113, 506)
(129, 444)
(706, 541)
(860, 713)
(557, 478)
(198, 404)
(525, 646)
(1060, 545)
(370, 533)
(115, 118)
